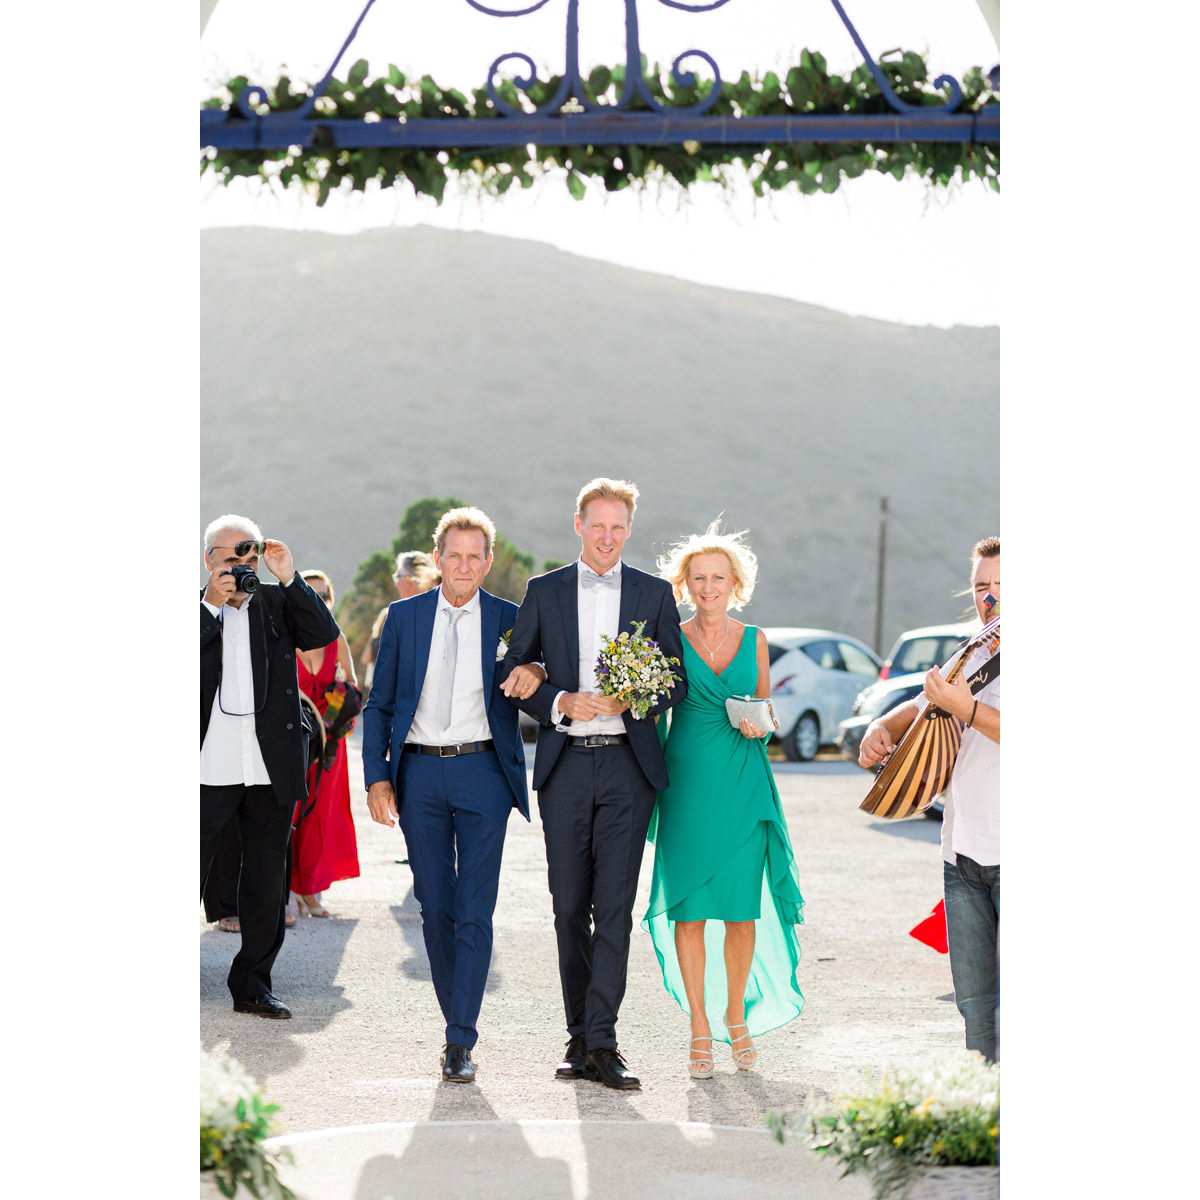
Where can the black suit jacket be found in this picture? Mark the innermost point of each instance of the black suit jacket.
(547, 631)
(281, 618)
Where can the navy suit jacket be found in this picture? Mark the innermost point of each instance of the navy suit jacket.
(547, 631)
(400, 668)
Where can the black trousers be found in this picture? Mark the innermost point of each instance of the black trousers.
(263, 829)
(595, 810)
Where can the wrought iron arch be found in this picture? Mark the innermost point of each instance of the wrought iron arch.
(571, 117)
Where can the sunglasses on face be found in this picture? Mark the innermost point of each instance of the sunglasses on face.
(319, 592)
(242, 548)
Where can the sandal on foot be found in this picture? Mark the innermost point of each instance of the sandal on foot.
(229, 925)
(702, 1067)
(310, 906)
(746, 1058)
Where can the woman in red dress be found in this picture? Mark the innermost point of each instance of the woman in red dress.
(324, 848)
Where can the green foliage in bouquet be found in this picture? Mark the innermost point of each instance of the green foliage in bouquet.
(234, 1120)
(908, 1122)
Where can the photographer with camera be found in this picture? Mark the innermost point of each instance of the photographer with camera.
(253, 739)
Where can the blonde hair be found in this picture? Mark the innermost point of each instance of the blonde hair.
(988, 547)
(320, 575)
(602, 488)
(465, 518)
(743, 563)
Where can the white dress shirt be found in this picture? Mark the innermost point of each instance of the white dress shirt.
(971, 803)
(230, 752)
(599, 612)
(468, 712)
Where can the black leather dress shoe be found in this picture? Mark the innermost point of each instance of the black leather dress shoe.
(573, 1061)
(605, 1065)
(263, 1006)
(457, 1066)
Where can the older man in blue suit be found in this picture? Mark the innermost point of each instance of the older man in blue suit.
(442, 755)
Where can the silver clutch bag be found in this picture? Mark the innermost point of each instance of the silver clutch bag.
(760, 713)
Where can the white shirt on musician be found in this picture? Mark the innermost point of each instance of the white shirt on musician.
(599, 613)
(971, 802)
(468, 712)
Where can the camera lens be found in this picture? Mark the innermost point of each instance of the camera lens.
(246, 579)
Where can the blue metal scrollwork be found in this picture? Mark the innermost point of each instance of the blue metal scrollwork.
(571, 116)
(880, 78)
(571, 86)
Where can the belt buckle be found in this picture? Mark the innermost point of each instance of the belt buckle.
(448, 751)
(596, 739)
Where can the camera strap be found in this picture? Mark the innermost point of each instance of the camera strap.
(266, 661)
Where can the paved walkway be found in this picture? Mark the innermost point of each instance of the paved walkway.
(356, 1070)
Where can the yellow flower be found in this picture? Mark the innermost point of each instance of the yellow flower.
(994, 1131)
(898, 1139)
(938, 1147)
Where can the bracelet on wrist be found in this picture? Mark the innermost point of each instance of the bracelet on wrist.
(974, 710)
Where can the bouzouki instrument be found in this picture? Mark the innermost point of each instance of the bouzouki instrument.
(917, 771)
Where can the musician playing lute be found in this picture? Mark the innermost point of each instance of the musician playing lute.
(971, 818)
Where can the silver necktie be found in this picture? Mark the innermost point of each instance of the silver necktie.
(449, 662)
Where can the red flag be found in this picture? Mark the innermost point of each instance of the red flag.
(931, 932)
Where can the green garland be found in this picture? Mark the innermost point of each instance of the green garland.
(805, 89)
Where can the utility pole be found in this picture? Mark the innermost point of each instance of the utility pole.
(879, 647)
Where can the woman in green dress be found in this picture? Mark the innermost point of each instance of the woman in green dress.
(724, 898)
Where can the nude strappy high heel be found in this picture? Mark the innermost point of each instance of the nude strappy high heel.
(701, 1068)
(746, 1058)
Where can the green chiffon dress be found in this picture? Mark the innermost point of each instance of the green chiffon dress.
(721, 848)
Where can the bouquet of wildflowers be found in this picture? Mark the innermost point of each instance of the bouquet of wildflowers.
(634, 669)
(234, 1119)
(947, 1115)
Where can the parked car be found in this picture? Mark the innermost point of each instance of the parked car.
(872, 702)
(815, 676)
(928, 646)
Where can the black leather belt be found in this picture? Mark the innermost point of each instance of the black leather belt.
(451, 751)
(600, 739)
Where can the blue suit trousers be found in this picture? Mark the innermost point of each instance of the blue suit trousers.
(454, 815)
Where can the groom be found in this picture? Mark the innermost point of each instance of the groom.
(597, 769)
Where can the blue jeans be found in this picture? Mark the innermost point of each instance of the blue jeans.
(972, 931)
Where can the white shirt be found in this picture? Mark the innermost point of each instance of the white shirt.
(230, 752)
(599, 612)
(971, 817)
(468, 712)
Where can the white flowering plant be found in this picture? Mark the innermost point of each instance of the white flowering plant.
(633, 668)
(502, 645)
(234, 1120)
(911, 1120)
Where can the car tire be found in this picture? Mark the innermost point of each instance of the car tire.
(801, 743)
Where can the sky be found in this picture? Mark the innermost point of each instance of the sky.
(894, 250)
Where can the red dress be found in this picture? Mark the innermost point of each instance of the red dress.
(324, 848)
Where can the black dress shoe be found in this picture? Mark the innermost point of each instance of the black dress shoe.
(573, 1061)
(263, 1006)
(605, 1065)
(457, 1066)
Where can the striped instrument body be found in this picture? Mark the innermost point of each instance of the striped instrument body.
(918, 769)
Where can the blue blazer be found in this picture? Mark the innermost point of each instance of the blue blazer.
(400, 667)
(547, 631)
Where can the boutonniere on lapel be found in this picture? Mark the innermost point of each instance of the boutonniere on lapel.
(502, 645)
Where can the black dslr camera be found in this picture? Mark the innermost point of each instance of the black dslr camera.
(245, 578)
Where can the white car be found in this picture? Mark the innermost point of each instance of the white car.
(816, 675)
